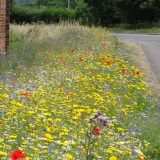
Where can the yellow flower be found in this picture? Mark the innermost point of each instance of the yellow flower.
(69, 156)
(109, 150)
(110, 133)
(111, 125)
(113, 158)
(13, 136)
(36, 149)
(3, 153)
(120, 129)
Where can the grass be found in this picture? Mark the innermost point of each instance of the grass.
(69, 92)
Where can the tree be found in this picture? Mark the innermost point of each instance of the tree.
(103, 11)
(124, 11)
(137, 11)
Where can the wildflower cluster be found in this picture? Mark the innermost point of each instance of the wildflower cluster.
(45, 109)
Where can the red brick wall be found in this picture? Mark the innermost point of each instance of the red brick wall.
(4, 25)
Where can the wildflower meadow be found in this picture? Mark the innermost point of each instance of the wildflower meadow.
(68, 92)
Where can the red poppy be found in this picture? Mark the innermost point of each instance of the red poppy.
(1, 122)
(16, 154)
(109, 63)
(40, 52)
(137, 73)
(96, 131)
(25, 94)
(123, 71)
(72, 50)
(85, 52)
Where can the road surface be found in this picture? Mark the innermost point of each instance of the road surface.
(150, 45)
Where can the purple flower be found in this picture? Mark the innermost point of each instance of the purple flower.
(101, 118)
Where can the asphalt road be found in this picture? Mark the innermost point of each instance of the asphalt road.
(150, 45)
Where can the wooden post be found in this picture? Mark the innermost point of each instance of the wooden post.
(4, 25)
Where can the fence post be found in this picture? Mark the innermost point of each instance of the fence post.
(4, 25)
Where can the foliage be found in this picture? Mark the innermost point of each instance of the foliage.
(103, 11)
(83, 13)
(121, 11)
(137, 11)
(45, 14)
(135, 14)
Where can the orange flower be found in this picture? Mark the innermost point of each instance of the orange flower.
(13, 80)
(103, 46)
(123, 71)
(81, 58)
(61, 85)
(61, 59)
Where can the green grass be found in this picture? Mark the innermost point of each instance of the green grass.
(69, 92)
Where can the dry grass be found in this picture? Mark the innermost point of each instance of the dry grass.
(43, 31)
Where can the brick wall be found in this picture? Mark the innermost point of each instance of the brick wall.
(4, 25)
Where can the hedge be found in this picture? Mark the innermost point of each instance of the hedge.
(20, 14)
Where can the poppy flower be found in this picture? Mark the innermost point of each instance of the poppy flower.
(123, 71)
(85, 52)
(96, 131)
(109, 63)
(137, 73)
(25, 94)
(1, 122)
(72, 50)
(16, 154)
